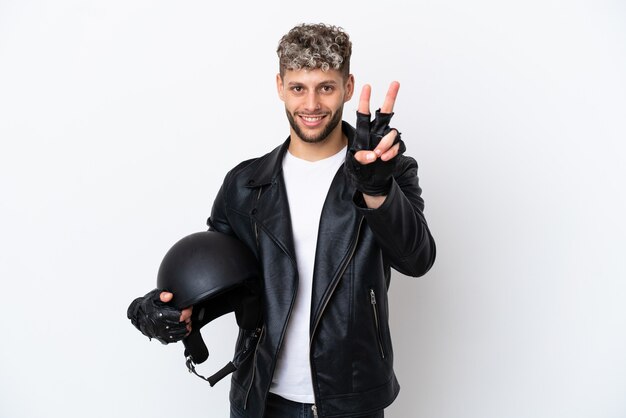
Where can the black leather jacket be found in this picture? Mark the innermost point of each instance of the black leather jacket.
(350, 347)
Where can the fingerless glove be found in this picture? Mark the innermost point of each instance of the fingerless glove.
(373, 179)
(156, 319)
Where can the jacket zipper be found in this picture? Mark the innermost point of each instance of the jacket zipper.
(319, 317)
(245, 404)
(377, 323)
(343, 269)
(256, 226)
(256, 236)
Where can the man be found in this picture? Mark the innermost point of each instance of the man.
(327, 214)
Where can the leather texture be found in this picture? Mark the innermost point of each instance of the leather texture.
(350, 345)
(156, 319)
(373, 179)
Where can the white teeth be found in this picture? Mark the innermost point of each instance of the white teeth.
(308, 119)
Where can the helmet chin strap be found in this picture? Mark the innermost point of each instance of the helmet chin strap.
(245, 303)
(196, 352)
(222, 373)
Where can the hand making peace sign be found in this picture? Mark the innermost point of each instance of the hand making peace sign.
(371, 160)
(386, 149)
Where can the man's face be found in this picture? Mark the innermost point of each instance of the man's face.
(314, 101)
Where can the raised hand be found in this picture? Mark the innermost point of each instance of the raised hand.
(370, 162)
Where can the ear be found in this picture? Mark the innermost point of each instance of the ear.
(349, 86)
(279, 87)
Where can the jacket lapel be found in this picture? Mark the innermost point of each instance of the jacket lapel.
(271, 207)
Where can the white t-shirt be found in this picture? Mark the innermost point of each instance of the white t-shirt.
(307, 185)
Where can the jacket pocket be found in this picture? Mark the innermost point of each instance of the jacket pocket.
(376, 316)
(245, 357)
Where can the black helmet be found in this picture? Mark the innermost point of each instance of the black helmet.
(216, 274)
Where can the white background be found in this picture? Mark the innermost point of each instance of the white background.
(119, 119)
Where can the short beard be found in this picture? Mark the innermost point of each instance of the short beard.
(314, 139)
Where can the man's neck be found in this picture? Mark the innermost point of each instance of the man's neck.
(319, 150)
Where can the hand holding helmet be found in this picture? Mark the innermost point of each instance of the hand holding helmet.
(185, 314)
(155, 318)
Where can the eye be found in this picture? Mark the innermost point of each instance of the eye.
(327, 89)
(297, 89)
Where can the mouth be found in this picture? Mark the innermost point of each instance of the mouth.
(311, 121)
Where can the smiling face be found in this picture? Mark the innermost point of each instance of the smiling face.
(314, 102)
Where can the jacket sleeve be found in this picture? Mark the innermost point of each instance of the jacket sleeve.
(399, 224)
(218, 221)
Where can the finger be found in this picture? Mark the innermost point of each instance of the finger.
(390, 98)
(365, 157)
(386, 142)
(186, 314)
(166, 296)
(392, 153)
(364, 100)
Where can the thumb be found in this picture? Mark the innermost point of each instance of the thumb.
(364, 157)
(166, 296)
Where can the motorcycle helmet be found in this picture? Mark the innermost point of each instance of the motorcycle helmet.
(216, 274)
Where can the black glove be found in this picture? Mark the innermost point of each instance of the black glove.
(156, 319)
(373, 179)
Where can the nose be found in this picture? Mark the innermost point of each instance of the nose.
(312, 102)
